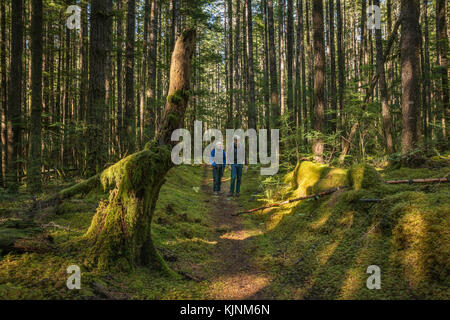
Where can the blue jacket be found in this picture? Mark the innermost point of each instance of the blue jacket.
(213, 153)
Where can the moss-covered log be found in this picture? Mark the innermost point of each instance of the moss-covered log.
(120, 232)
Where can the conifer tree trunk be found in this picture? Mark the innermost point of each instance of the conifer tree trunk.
(100, 46)
(442, 48)
(383, 91)
(319, 78)
(130, 108)
(251, 75)
(410, 52)
(14, 127)
(274, 104)
(34, 167)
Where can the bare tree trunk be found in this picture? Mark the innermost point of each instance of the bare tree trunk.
(410, 52)
(151, 87)
(251, 75)
(341, 67)
(35, 161)
(3, 94)
(333, 123)
(14, 126)
(442, 47)
(237, 64)
(319, 78)
(274, 104)
(130, 108)
(290, 61)
(100, 46)
(230, 63)
(383, 91)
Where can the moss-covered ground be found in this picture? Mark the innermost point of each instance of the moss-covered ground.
(312, 249)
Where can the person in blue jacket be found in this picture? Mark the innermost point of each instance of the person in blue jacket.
(218, 163)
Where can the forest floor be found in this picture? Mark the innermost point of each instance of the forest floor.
(312, 249)
(239, 277)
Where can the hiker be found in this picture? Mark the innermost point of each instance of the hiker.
(218, 163)
(236, 157)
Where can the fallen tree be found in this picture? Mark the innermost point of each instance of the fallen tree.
(120, 233)
(330, 191)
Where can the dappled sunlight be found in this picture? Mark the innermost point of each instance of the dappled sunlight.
(238, 286)
(185, 240)
(354, 280)
(241, 234)
(411, 232)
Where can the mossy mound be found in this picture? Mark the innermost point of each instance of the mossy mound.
(310, 177)
(364, 176)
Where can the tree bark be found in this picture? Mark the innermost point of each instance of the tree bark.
(100, 46)
(14, 125)
(319, 79)
(290, 61)
(383, 91)
(274, 103)
(442, 48)
(251, 75)
(130, 108)
(34, 166)
(3, 94)
(410, 61)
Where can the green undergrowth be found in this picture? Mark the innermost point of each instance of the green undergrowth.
(180, 231)
(320, 248)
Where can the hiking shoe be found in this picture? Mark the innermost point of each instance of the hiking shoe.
(216, 193)
(237, 195)
(230, 194)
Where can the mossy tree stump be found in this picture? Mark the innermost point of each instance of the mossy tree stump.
(120, 233)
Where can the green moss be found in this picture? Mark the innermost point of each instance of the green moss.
(364, 176)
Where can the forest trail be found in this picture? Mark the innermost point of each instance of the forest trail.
(235, 276)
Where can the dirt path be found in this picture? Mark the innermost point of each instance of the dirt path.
(236, 276)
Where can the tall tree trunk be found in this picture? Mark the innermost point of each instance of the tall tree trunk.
(302, 48)
(3, 94)
(333, 122)
(237, 64)
(442, 48)
(251, 75)
(130, 108)
(143, 81)
(120, 233)
(35, 161)
(230, 63)
(121, 134)
(426, 100)
(14, 125)
(274, 104)
(341, 66)
(151, 87)
(319, 78)
(100, 46)
(282, 57)
(266, 68)
(410, 51)
(383, 91)
(290, 60)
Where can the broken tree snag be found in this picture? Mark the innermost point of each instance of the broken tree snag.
(317, 195)
(120, 233)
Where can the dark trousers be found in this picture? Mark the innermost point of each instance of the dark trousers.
(236, 174)
(217, 176)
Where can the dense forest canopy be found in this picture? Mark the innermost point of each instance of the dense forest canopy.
(75, 100)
